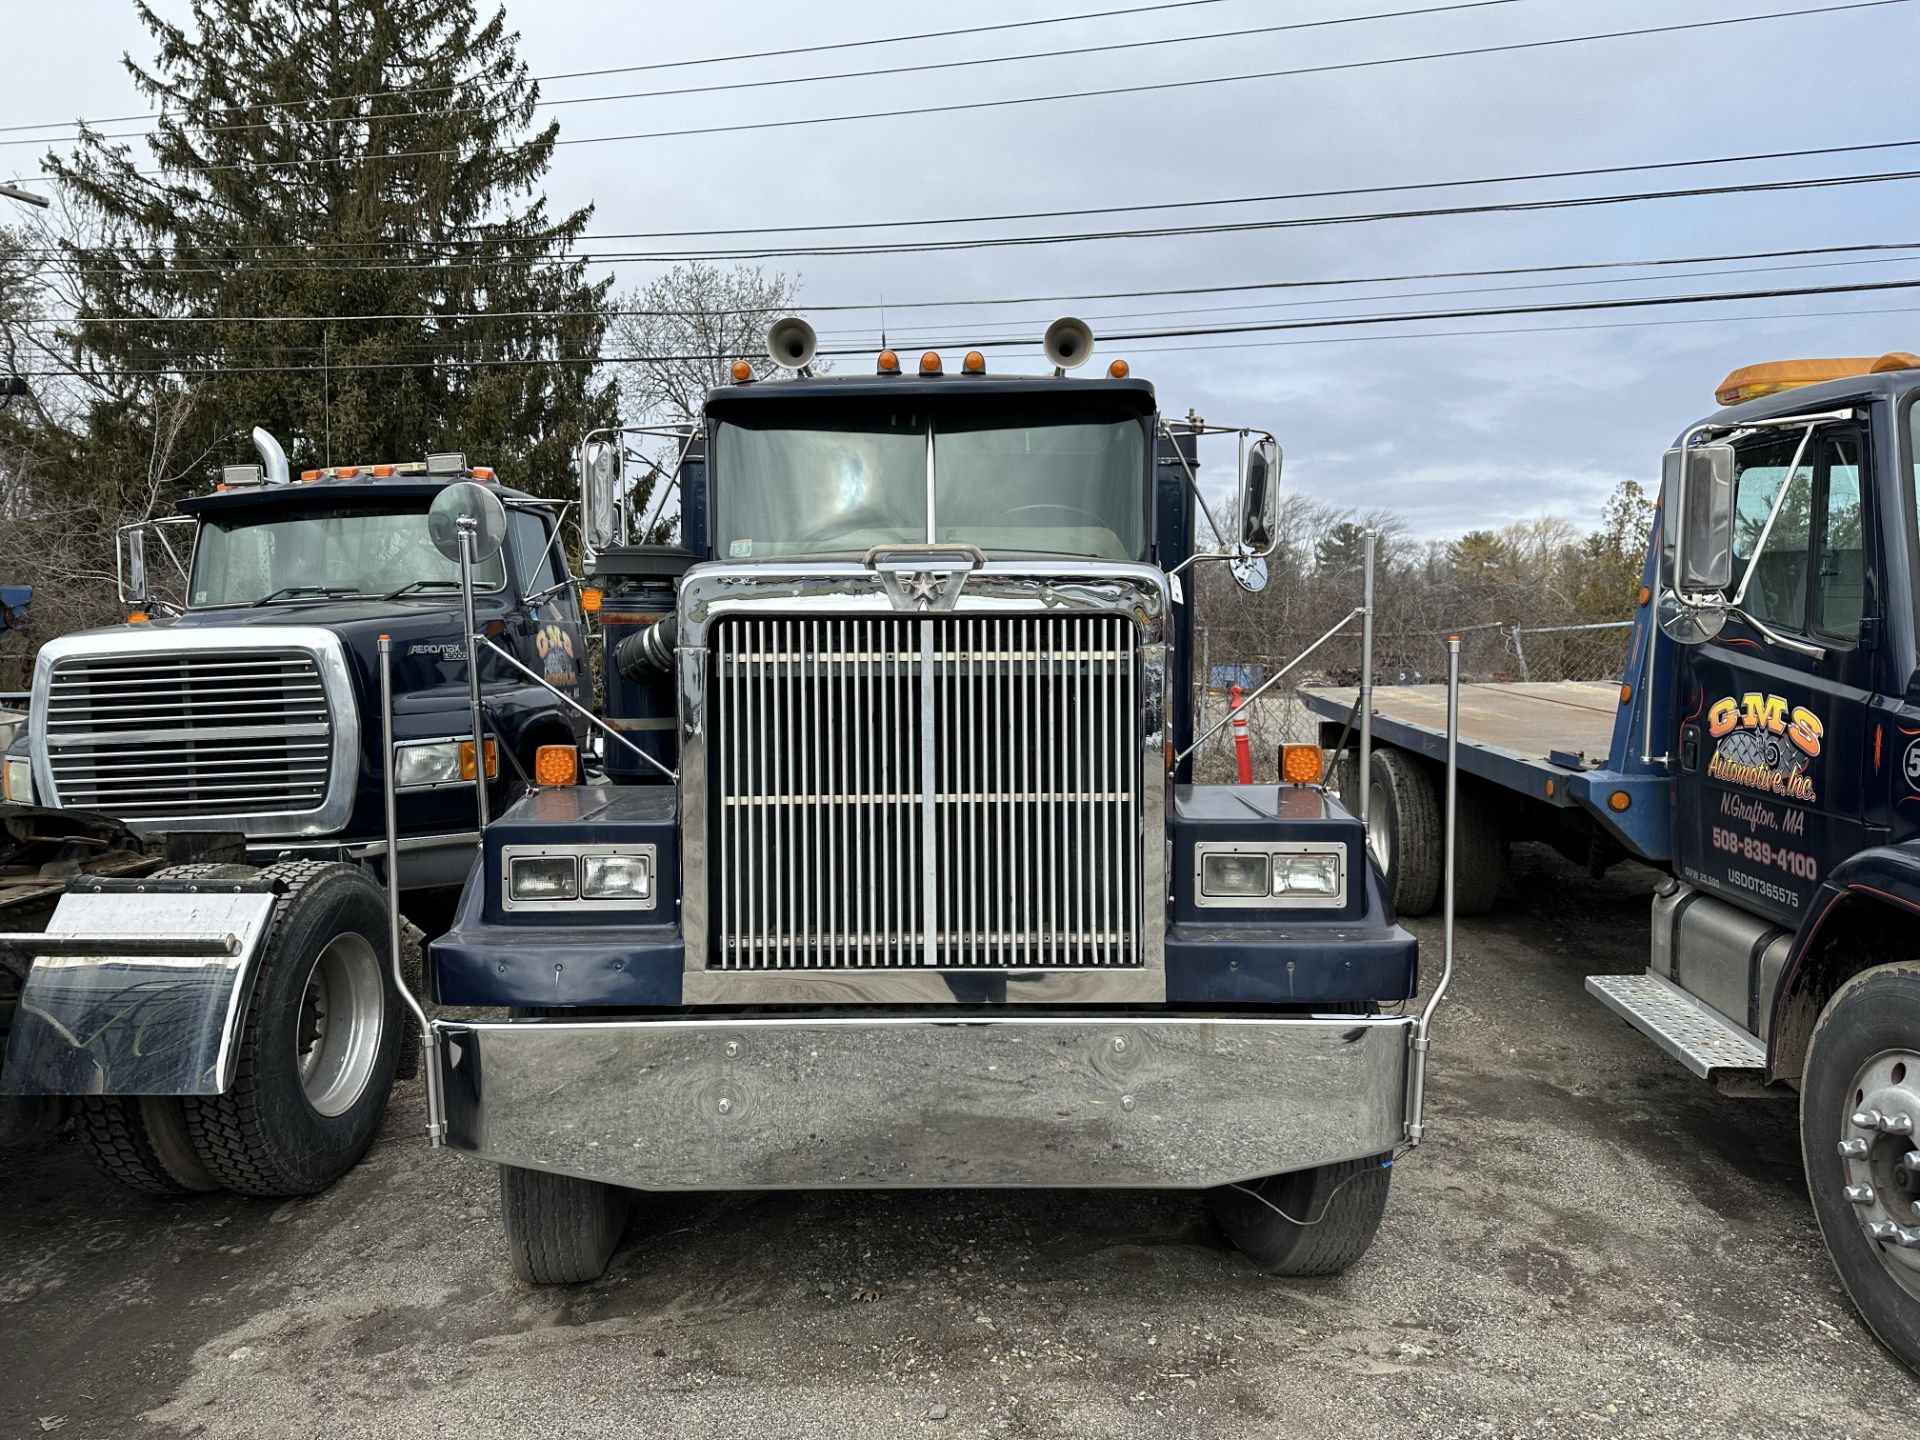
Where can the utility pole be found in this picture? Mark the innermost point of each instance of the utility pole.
(25, 197)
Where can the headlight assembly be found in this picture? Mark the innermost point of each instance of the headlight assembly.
(619, 877)
(543, 877)
(1275, 875)
(579, 877)
(431, 762)
(19, 780)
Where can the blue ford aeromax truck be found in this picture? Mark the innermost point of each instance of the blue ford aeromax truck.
(1763, 749)
(905, 882)
(218, 1024)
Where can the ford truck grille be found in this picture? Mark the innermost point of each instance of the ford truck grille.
(189, 734)
(941, 790)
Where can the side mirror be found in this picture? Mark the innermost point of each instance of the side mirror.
(600, 492)
(1697, 519)
(133, 567)
(1260, 497)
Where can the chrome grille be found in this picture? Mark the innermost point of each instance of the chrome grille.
(945, 790)
(157, 735)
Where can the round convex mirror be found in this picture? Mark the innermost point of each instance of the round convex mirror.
(1689, 624)
(1249, 572)
(467, 500)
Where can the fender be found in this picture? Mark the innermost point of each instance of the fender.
(1883, 879)
(138, 987)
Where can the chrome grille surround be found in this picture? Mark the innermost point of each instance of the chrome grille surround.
(888, 904)
(249, 728)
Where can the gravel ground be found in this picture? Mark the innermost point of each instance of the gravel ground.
(1590, 1243)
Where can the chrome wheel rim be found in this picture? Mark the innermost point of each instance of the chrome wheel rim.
(1880, 1160)
(342, 1013)
(1378, 838)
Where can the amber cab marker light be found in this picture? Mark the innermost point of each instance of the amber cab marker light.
(556, 765)
(138, 617)
(930, 363)
(590, 599)
(304, 475)
(887, 364)
(1619, 801)
(483, 472)
(975, 363)
(1626, 693)
(1302, 764)
(1645, 594)
(381, 472)
(347, 472)
(742, 372)
(1119, 370)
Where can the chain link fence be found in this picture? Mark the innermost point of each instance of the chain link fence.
(1491, 653)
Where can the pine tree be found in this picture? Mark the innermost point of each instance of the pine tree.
(320, 159)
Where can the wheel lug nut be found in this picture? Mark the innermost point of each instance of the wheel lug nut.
(1859, 1194)
(1867, 1119)
(1908, 1239)
(1853, 1149)
(1896, 1124)
(1882, 1230)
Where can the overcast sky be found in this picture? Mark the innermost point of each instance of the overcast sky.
(1454, 431)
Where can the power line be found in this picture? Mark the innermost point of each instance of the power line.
(1003, 242)
(737, 127)
(1265, 327)
(131, 321)
(944, 221)
(925, 67)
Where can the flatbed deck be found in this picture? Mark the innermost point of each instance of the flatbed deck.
(1521, 735)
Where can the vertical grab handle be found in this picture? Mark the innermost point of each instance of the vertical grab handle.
(429, 1038)
(1418, 1042)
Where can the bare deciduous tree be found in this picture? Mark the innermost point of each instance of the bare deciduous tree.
(678, 335)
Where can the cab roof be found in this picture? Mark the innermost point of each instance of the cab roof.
(1130, 394)
(1811, 399)
(313, 494)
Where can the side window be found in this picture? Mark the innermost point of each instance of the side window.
(538, 563)
(1778, 591)
(1841, 596)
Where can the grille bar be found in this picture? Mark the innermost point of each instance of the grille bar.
(958, 791)
(190, 733)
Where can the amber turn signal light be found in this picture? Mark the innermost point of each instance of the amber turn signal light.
(1302, 764)
(590, 599)
(466, 759)
(556, 765)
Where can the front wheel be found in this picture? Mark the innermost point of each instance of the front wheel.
(1307, 1222)
(1859, 1109)
(560, 1230)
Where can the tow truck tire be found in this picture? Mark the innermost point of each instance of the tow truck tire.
(1332, 1212)
(1855, 1059)
(560, 1230)
(319, 1043)
(1480, 852)
(1405, 832)
(142, 1142)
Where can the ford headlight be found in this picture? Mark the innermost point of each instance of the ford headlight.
(429, 762)
(19, 780)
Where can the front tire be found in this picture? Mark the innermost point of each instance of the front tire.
(319, 1044)
(1330, 1215)
(1865, 1058)
(560, 1230)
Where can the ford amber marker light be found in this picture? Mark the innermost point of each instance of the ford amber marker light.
(543, 877)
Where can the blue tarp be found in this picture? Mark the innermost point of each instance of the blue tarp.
(14, 600)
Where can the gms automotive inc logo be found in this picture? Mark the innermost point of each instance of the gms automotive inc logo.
(556, 657)
(1764, 744)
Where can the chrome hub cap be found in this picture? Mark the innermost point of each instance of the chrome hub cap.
(1881, 1163)
(342, 1012)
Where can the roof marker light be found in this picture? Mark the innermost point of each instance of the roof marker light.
(887, 364)
(742, 372)
(483, 472)
(1119, 370)
(974, 364)
(309, 475)
(930, 363)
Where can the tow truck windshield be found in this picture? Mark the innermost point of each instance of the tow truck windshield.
(1054, 480)
(322, 553)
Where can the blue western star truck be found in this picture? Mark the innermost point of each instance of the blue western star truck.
(194, 966)
(1763, 749)
(899, 877)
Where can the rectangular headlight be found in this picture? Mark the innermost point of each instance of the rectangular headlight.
(1230, 875)
(543, 877)
(435, 762)
(619, 877)
(1307, 874)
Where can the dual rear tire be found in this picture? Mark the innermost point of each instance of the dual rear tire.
(1406, 834)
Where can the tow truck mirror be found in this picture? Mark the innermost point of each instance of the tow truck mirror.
(1260, 497)
(600, 492)
(133, 567)
(1697, 515)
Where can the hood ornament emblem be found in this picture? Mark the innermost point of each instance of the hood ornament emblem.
(909, 575)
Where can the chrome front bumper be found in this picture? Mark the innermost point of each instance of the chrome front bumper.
(912, 1102)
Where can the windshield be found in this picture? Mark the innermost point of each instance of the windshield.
(245, 558)
(1059, 480)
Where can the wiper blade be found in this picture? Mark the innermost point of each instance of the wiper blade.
(413, 585)
(288, 592)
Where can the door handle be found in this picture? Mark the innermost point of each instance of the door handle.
(1689, 748)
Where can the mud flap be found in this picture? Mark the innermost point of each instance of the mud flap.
(137, 988)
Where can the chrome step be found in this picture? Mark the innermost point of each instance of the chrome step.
(1698, 1037)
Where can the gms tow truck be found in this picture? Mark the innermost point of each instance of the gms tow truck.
(913, 888)
(190, 851)
(1764, 749)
